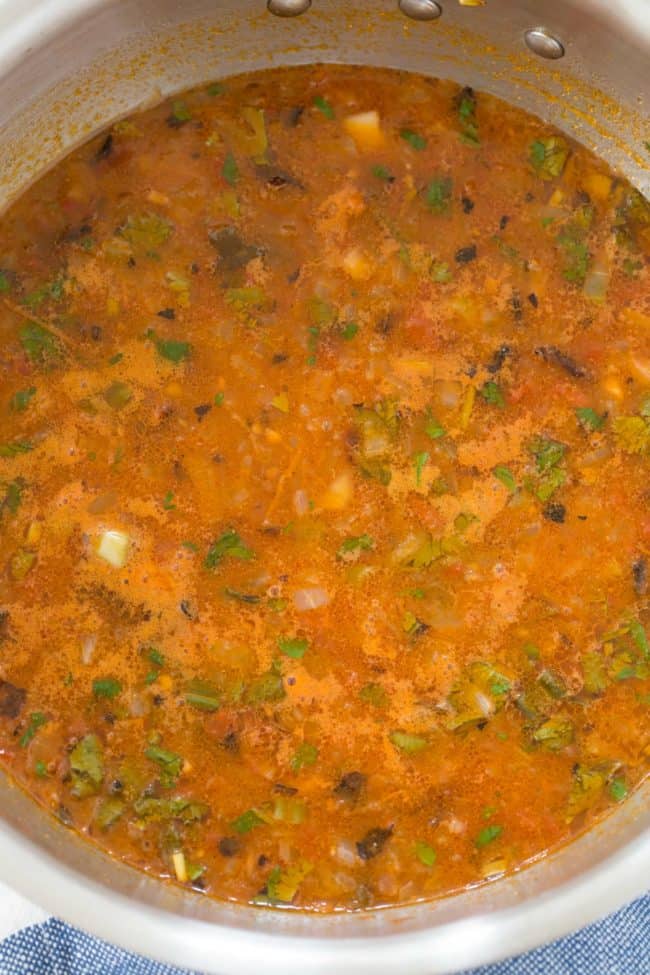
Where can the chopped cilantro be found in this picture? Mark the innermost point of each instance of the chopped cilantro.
(618, 789)
(247, 821)
(38, 342)
(106, 687)
(173, 350)
(324, 106)
(383, 173)
(440, 272)
(589, 419)
(432, 428)
(438, 194)
(548, 156)
(40, 769)
(168, 501)
(488, 834)
(355, 545)
(415, 140)
(219, 398)
(374, 694)
(294, 647)
(36, 720)
(170, 764)
(228, 545)
(492, 394)
(15, 448)
(349, 330)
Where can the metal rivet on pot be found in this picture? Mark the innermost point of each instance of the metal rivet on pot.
(288, 8)
(420, 9)
(542, 42)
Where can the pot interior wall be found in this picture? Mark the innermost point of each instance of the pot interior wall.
(99, 61)
(96, 61)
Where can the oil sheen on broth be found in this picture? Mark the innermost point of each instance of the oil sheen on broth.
(324, 499)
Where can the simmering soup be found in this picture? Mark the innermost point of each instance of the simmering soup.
(324, 495)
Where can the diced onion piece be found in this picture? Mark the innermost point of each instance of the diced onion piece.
(114, 548)
(339, 493)
(365, 129)
(88, 648)
(312, 597)
(300, 502)
(180, 866)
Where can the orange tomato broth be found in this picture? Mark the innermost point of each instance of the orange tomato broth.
(324, 501)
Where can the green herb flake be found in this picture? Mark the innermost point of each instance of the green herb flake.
(492, 394)
(589, 419)
(547, 453)
(354, 545)
(432, 428)
(39, 343)
(40, 769)
(383, 173)
(229, 545)
(548, 156)
(349, 330)
(425, 854)
(146, 231)
(304, 756)
(36, 720)
(219, 398)
(5, 283)
(294, 647)
(438, 194)
(216, 88)
(505, 475)
(190, 546)
(109, 812)
(173, 350)
(324, 106)
(230, 170)
(106, 687)
(168, 501)
(487, 835)
(266, 688)
(246, 822)
(420, 461)
(415, 140)
(16, 448)
(156, 657)
(618, 789)
(21, 399)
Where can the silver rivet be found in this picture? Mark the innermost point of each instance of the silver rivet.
(288, 8)
(420, 9)
(542, 42)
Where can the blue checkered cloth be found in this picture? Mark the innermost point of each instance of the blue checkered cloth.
(619, 945)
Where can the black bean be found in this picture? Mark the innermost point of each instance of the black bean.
(551, 353)
(202, 410)
(467, 204)
(555, 512)
(279, 358)
(533, 299)
(498, 358)
(466, 254)
(169, 313)
(350, 785)
(640, 576)
(373, 842)
(105, 149)
(229, 846)
(12, 699)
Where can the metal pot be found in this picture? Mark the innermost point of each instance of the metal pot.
(69, 67)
